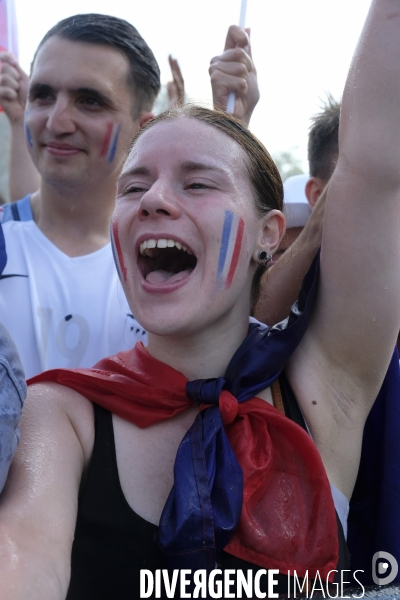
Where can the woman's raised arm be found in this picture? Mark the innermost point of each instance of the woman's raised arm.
(357, 318)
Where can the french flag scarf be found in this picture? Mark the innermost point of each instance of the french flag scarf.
(246, 478)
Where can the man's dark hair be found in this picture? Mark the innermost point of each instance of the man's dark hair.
(144, 73)
(323, 140)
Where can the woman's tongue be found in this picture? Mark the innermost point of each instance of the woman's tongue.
(160, 276)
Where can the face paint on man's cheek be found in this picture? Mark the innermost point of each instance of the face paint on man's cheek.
(231, 243)
(117, 252)
(27, 131)
(110, 142)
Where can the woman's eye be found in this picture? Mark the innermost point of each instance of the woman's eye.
(134, 189)
(198, 186)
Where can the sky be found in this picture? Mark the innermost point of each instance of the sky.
(302, 50)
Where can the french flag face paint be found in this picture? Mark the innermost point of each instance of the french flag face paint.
(28, 132)
(117, 252)
(231, 243)
(110, 141)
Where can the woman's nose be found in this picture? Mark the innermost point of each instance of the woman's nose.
(159, 201)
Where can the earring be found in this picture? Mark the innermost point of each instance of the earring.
(264, 257)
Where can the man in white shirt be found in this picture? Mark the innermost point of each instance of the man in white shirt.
(92, 86)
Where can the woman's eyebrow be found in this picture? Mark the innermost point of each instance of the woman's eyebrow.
(140, 170)
(189, 166)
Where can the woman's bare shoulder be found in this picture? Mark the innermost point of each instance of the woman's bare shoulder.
(57, 405)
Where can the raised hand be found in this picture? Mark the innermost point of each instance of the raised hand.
(176, 87)
(14, 84)
(234, 71)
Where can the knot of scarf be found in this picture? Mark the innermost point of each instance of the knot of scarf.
(210, 391)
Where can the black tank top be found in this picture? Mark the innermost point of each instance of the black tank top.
(112, 543)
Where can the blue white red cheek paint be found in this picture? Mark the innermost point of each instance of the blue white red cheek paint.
(110, 141)
(28, 132)
(231, 244)
(117, 252)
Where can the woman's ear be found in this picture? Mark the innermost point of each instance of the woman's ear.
(271, 232)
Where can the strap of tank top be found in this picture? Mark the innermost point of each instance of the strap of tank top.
(277, 396)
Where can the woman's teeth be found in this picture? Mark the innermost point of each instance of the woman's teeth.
(162, 243)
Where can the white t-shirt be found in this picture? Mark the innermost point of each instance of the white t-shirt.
(62, 311)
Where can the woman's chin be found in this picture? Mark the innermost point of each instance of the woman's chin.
(173, 327)
(179, 318)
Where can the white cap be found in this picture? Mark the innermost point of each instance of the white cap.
(296, 207)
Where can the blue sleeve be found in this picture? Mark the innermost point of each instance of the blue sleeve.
(12, 396)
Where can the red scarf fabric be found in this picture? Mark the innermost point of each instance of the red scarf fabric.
(288, 519)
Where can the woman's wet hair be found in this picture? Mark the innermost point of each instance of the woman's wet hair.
(263, 173)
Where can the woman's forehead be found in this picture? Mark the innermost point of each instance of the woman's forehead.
(190, 138)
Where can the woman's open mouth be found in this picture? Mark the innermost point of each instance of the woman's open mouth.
(165, 261)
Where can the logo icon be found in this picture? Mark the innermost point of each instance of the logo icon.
(381, 573)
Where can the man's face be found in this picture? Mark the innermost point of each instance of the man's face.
(78, 116)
